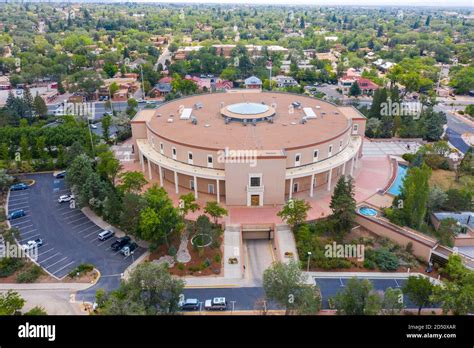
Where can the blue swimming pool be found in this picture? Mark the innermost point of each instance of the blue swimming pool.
(396, 186)
(367, 211)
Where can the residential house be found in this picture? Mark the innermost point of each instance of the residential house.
(285, 81)
(253, 82)
(367, 87)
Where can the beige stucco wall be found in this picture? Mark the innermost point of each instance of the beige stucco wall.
(273, 175)
(420, 249)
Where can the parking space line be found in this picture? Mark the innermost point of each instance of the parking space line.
(49, 257)
(69, 212)
(105, 241)
(73, 221)
(30, 237)
(88, 221)
(342, 284)
(63, 208)
(45, 252)
(398, 285)
(24, 233)
(21, 222)
(14, 204)
(87, 228)
(18, 195)
(27, 226)
(96, 231)
(70, 263)
(56, 263)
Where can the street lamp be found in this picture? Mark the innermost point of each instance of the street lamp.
(309, 258)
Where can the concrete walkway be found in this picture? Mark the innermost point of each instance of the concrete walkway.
(371, 275)
(45, 286)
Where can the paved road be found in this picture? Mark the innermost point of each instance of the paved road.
(69, 237)
(245, 298)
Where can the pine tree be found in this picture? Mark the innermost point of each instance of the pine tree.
(343, 204)
(355, 89)
(40, 107)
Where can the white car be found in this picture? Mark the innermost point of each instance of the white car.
(31, 244)
(65, 198)
(216, 304)
(93, 126)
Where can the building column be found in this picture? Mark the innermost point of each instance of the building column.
(329, 179)
(142, 160)
(176, 181)
(291, 188)
(149, 169)
(218, 191)
(195, 187)
(344, 169)
(311, 190)
(161, 175)
(352, 166)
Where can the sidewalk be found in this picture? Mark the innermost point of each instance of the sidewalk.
(371, 275)
(219, 282)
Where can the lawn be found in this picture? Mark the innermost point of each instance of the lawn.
(444, 179)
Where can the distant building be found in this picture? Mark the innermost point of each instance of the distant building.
(163, 87)
(253, 82)
(367, 87)
(285, 81)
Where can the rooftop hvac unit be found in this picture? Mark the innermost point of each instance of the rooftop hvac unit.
(254, 121)
(318, 107)
(194, 120)
(170, 120)
(222, 104)
(226, 120)
(270, 119)
(304, 120)
(245, 122)
(198, 106)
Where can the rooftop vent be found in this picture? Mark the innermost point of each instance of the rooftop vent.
(222, 104)
(336, 113)
(170, 120)
(198, 106)
(159, 115)
(227, 120)
(194, 120)
(254, 121)
(245, 122)
(274, 105)
(270, 119)
(207, 125)
(304, 120)
(318, 107)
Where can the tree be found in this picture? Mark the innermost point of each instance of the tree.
(419, 290)
(467, 163)
(150, 290)
(130, 212)
(355, 90)
(415, 194)
(285, 284)
(108, 166)
(40, 107)
(5, 180)
(436, 199)
(79, 171)
(10, 303)
(37, 310)
(106, 123)
(214, 210)
(132, 182)
(294, 212)
(188, 203)
(343, 203)
(357, 298)
(392, 303)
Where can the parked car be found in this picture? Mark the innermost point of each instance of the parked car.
(129, 249)
(120, 243)
(16, 214)
(19, 187)
(106, 234)
(60, 175)
(190, 304)
(216, 304)
(32, 244)
(65, 198)
(93, 126)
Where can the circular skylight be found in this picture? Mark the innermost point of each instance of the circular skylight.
(247, 108)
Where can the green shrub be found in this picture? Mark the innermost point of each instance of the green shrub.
(386, 261)
(81, 269)
(30, 275)
(369, 264)
(9, 265)
(217, 258)
(180, 266)
(409, 157)
(172, 251)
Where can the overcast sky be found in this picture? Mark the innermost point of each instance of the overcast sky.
(444, 3)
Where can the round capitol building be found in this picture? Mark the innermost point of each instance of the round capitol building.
(246, 147)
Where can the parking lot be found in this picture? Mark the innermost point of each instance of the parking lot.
(69, 237)
(331, 286)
